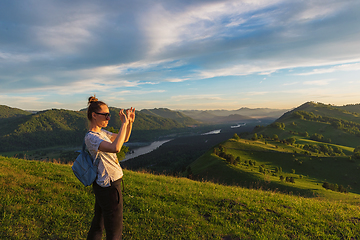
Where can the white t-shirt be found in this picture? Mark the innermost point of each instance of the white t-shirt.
(109, 168)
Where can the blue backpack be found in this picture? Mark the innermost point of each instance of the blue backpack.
(84, 167)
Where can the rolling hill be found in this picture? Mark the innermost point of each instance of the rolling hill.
(314, 144)
(332, 125)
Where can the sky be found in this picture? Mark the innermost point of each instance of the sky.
(179, 54)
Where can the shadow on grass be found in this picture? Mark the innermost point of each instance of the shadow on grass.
(235, 177)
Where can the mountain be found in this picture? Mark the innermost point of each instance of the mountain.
(43, 129)
(8, 112)
(331, 123)
(21, 130)
(227, 116)
(174, 115)
(145, 121)
(203, 116)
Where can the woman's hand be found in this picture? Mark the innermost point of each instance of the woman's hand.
(124, 117)
(131, 114)
(128, 116)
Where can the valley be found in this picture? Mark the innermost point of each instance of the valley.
(255, 178)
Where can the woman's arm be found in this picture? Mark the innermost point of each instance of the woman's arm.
(116, 145)
(131, 114)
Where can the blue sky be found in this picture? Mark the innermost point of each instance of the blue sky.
(179, 54)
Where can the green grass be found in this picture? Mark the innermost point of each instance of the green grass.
(310, 171)
(42, 200)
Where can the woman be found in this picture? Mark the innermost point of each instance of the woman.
(107, 186)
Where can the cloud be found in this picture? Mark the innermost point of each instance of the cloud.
(176, 79)
(322, 82)
(342, 67)
(290, 83)
(256, 93)
(195, 97)
(37, 102)
(73, 47)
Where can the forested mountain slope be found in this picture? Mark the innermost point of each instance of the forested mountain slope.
(8, 112)
(43, 129)
(167, 113)
(20, 130)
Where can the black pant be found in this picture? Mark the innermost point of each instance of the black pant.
(108, 212)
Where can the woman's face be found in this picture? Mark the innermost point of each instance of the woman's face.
(102, 117)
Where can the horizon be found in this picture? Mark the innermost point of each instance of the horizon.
(203, 55)
(237, 109)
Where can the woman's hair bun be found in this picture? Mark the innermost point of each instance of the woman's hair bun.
(92, 99)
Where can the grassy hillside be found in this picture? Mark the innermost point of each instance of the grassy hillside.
(326, 110)
(260, 162)
(319, 122)
(45, 201)
(351, 108)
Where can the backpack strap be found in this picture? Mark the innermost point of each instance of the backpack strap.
(95, 160)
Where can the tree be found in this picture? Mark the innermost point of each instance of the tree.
(230, 159)
(121, 155)
(216, 151)
(255, 137)
(356, 153)
(236, 137)
(292, 180)
(221, 148)
(291, 140)
(278, 125)
(316, 137)
(275, 137)
(188, 172)
(342, 189)
(337, 124)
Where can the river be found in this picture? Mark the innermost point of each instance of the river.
(140, 149)
(154, 145)
(144, 150)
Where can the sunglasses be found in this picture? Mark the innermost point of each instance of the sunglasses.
(107, 115)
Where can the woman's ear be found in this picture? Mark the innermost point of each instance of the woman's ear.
(93, 114)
